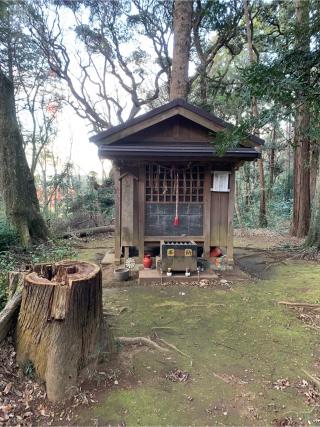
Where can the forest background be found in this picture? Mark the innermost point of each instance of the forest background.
(92, 64)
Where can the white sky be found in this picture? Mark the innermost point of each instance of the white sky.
(74, 130)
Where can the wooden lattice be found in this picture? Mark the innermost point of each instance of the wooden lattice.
(161, 184)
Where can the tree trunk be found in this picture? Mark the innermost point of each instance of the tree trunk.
(88, 231)
(272, 163)
(313, 238)
(45, 205)
(61, 328)
(16, 182)
(301, 187)
(263, 222)
(236, 204)
(314, 166)
(246, 178)
(182, 23)
(289, 180)
(271, 171)
(262, 207)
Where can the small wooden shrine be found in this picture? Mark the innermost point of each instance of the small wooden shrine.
(171, 185)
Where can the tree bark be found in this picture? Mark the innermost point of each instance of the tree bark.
(262, 206)
(236, 205)
(314, 166)
(272, 163)
(246, 179)
(271, 171)
(61, 329)
(16, 182)
(313, 238)
(301, 186)
(182, 24)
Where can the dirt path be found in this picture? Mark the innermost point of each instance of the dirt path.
(246, 355)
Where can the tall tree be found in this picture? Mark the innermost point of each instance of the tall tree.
(301, 198)
(182, 23)
(16, 181)
(313, 238)
(254, 106)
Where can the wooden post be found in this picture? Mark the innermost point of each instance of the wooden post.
(141, 209)
(126, 252)
(117, 231)
(230, 218)
(61, 329)
(207, 211)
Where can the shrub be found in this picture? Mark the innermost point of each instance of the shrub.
(8, 236)
(17, 259)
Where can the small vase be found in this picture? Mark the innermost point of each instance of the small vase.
(147, 261)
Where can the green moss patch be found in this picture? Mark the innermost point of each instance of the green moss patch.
(238, 343)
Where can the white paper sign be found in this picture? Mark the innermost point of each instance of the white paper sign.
(220, 181)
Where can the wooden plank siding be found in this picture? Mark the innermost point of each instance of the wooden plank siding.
(230, 217)
(207, 213)
(138, 126)
(129, 209)
(219, 218)
(175, 130)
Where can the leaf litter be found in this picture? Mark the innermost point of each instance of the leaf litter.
(23, 400)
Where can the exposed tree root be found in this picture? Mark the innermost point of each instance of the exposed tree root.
(149, 343)
(173, 347)
(141, 341)
(300, 304)
(211, 304)
(306, 253)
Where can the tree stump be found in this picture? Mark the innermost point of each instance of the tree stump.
(61, 328)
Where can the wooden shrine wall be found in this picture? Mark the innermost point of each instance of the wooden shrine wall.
(209, 217)
(219, 218)
(129, 211)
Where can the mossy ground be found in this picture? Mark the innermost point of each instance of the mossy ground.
(93, 248)
(236, 351)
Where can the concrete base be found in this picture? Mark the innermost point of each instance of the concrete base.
(150, 276)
